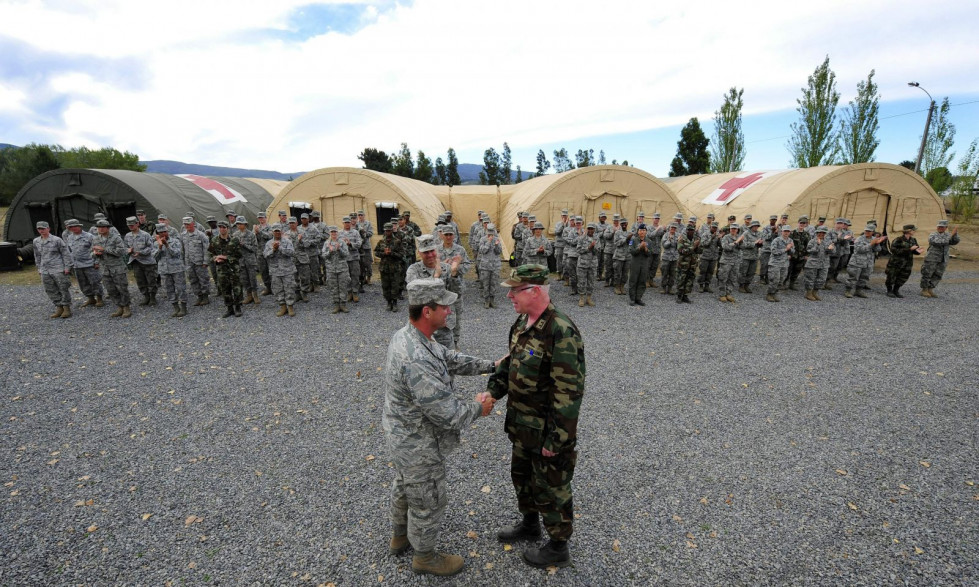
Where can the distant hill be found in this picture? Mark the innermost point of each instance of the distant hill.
(178, 167)
(469, 173)
(7, 146)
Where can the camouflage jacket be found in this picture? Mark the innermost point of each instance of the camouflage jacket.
(688, 249)
(231, 248)
(779, 256)
(801, 239)
(668, 243)
(249, 245)
(195, 248)
(819, 254)
(280, 260)
(938, 245)
(422, 417)
(863, 253)
(655, 234)
(80, 246)
(354, 242)
(621, 242)
(335, 254)
(170, 257)
(587, 254)
(142, 245)
(51, 255)
(902, 250)
(113, 251)
(543, 379)
(454, 284)
(730, 253)
(710, 246)
(490, 249)
(571, 236)
(749, 246)
(388, 250)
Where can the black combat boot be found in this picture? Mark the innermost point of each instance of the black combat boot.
(527, 528)
(552, 554)
(229, 312)
(897, 291)
(237, 310)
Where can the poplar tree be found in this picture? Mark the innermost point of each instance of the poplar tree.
(727, 145)
(814, 141)
(859, 125)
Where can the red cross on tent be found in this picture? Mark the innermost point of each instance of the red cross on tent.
(221, 192)
(735, 186)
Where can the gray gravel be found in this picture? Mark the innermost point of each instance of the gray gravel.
(754, 443)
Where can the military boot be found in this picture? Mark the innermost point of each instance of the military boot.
(206, 300)
(552, 554)
(399, 542)
(90, 301)
(581, 301)
(436, 563)
(747, 289)
(931, 294)
(281, 312)
(58, 311)
(229, 312)
(117, 313)
(741, 289)
(815, 294)
(176, 310)
(708, 289)
(267, 291)
(199, 300)
(722, 298)
(291, 311)
(827, 286)
(99, 302)
(394, 306)
(355, 298)
(792, 284)
(848, 293)
(859, 294)
(810, 295)
(730, 298)
(526, 529)
(153, 300)
(897, 291)
(679, 299)
(255, 298)
(771, 298)
(237, 310)
(343, 308)
(248, 298)
(686, 299)
(183, 310)
(146, 301)
(589, 301)
(67, 312)
(127, 312)
(336, 309)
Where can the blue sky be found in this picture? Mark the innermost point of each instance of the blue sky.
(302, 85)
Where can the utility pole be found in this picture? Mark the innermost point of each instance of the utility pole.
(924, 137)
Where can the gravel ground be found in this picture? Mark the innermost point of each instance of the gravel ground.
(748, 443)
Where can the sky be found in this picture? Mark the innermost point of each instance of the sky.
(299, 85)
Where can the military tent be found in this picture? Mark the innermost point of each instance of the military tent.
(61, 194)
(466, 200)
(890, 194)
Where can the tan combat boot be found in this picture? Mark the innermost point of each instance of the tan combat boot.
(291, 311)
(770, 298)
(117, 313)
(581, 301)
(931, 293)
(810, 296)
(730, 298)
(66, 313)
(723, 298)
(436, 563)
(255, 298)
(355, 298)
(589, 301)
(281, 312)
(399, 545)
(127, 312)
(336, 309)
(99, 302)
(58, 310)
(343, 308)
(90, 301)
(848, 293)
(859, 294)
(815, 294)
(248, 299)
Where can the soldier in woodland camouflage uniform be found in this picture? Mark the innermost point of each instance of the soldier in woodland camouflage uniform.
(53, 261)
(517, 234)
(587, 268)
(282, 270)
(936, 260)
(226, 253)
(249, 260)
(169, 255)
(688, 248)
(139, 247)
(110, 252)
(263, 234)
(490, 249)
(600, 229)
(899, 266)
(799, 252)
(710, 246)
(422, 420)
(778, 262)
(336, 261)
(388, 250)
(543, 379)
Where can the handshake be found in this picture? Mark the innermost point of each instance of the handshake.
(487, 401)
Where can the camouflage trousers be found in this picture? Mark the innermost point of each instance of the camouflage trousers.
(609, 273)
(834, 267)
(284, 288)
(559, 257)
(668, 268)
(263, 270)
(621, 269)
(654, 263)
(353, 272)
(417, 510)
(366, 265)
(638, 276)
(57, 286)
(454, 323)
(89, 281)
(747, 269)
(391, 275)
(815, 277)
(249, 275)
(707, 269)
(727, 277)
(229, 286)
(543, 485)
(931, 274)
(304, 276)
(776, 276)
(338, 286)
(898, 271)
(489, 280)
(858, 277)
(763, 264)
(146, 276)
(176, 287)
(200, 280)
(116, 282)
(586, 278)
(571, 272)
(686, 273)
(601, 265)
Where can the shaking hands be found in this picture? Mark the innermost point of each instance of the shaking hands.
(487, 401)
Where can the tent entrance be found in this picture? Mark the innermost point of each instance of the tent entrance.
(608, 202)
(384, 212)
(866, 205)
(41, 212)
(77, 206)
(118, 212)
(336, 206)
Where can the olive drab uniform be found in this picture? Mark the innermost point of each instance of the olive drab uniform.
(797, 257)
(688, 250)
(229, 279)
(899, 266)
(388, 250)
(543, 379)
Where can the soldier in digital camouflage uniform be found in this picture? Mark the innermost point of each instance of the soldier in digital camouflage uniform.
(587, 268)
(710, 247)
(336, 260)
(53, 261)
(817, 263)
(727, 267)
(768, 234)
(640, 247)
(110, 252)
(608, 250)
(310, 242)
(901, 263)
(278, 254)
(778, 262)
(316, 265)
(537, 248)
(688, 249)
(936, 260)
(366, 230)
(669, 258)
(388, 251)
(263, 234)
(621, 257)
(432, 267)
(750, 247)
(459, 264)
(351, 237)
(837, 232)
(85, 263)
(490, 249)
(422, 420)
(139, 247)
(543, 379)
(169, 255)
(655, 231)
(249, 260)
(196, 260)
(226, 253)
(861, 265)
(571, 236)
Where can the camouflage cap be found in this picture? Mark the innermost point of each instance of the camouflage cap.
(641, 214)
(592, 226)
(602, 214)
(564, 211)
(130, 221)
(161, 216)
(748, 216)
(692, 219)
(138, 212)
(732, 217)
(345, 219)
(943, 223)
(407, 214)
(678, 216)
(425, 243)
(538, 225)
(616, 216)
(841, 220)
(822, 219)
(304, 215)
(786, 228)
(656, 215)
(714, 224)
(103, 223)
(332, 228)
(161, 228)
(754, 223)
(292, 219)
(710, 215)
(533, 217)
(276, 227)
(396, 217)
(229, 213)
(388, 226)
(262, 215)
(491, 228)
(360, 212)
(72, 222)
(691, 227)
(785, 214)
(187, 220)
(579, 218)
(803, 218)
(908, 227)
(98, 215)
(868, 228)
(43, 224)
(624, 223)
(773, 217)
(526, 275)
(241, 220)
(211, 219)
(448, 212)
(480, 212)
(847, 222)
(429, 291)
(223, 223)
(673, 226)
(822, 229)
(734, 226)
(282, 213)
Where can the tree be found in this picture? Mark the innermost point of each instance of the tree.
(562, 162)
(423, 168)
(519, 174)
(907, 164)
(441, 174)
(542, 163)
(104, 158)
(375, 160)
(402, 164)
(20, 165)
(601, 157)
(506, 163)
(727, 150)
(615, 161)
(938, 147)
(813, 141)
(490, 175)
(940, 179)
(585, 158)
(858, 128)
(625, 162)
(964, 187)
(452, 169)
(691, 151)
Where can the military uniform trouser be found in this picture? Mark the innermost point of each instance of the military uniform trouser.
(857, 277)
(89, 281)
(489, 279)
(668, 268)
(834, 267)
(600, 270)
(318, 266)
(654, 263)
(638, 275)
(815, 277)
(146, 278)
(391, 281)
(366, 265)
(304, 276)
(609, 268)
(586, 278)
(898, 272)
(338, 285)
(776, 276)
(57, 286)
(214, 271)
(931, 274)
(844, 262)
(455, 319)
(727, 274)
(116, 282)
(263, 270)
(200, 280)
(176, 287)
(686, 273)
(621, 269)
(353, 271)
(229, 287)
(763, 264)
(572, 265)
(707, 269)
(284, 288)
(417, 510)
(795, 268)
(249, 275)
(559, 258)
(747, 270)
(543, 485)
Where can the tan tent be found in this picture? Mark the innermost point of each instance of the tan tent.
(890, 194)
(338, 191)
(586, 192)
(466, 200)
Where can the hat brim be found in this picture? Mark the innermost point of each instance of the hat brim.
(446, 299)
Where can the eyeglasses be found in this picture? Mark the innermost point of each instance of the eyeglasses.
(514, 291)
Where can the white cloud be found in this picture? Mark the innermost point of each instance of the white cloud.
(442, 73)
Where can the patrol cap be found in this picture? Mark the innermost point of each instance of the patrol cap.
(592, 226)
(691, 227)
(822, 219)
(804, 218)
(868, 228)
(602, 214)
(692, 219)
(909, 227)
(360, 212)
(748, 216)
(396, 217)
(943, 223)
(785, 215)
(678, 216)
(276, 227)
(824, 229)
(407, 213)
(223, 223)
(491, 228)
(425, 243)
(734, 226)
(262, 215)
(241, 220)
(840, 220)
(72, 222)
(229, 213)
(786, 228)
(538, 225)
(102, 223)
(429, 291)
(527, 275)
(655, 215)
(161, 228)
(43, 224)
(641, 226)
(161, 216)
(211, 219)
(187, 220)
(673, 226)
(388, 226)
(140, 212)
(732, 217)
(773, 217)
(480, 212)
(714, 224)
(130, 221)
(315, 214)
(564, 211)
(332, 228)
(616, 216)
(522, 214)
(710, 215)
(292, 219)
(754, 223)
(624, 223)
(304, 215)
(447, 212)
(533, 217)
(98, 215)
(641, 214)
(282, 213)
(847, 222)
(345, 219)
